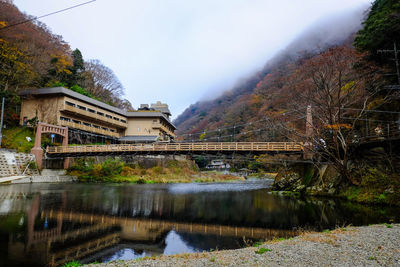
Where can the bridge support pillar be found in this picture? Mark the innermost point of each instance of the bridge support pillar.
(37, 150)
(308, 145)
(65, 145)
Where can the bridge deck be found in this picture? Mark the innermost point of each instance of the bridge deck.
(179, 147)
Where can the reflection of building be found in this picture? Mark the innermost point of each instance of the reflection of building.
(64, 107)
(63, 227)
(218, 164)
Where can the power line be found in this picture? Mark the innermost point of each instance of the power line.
(46, 15)
(374, 110)
(240, 125)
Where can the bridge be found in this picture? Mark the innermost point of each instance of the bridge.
(369, 135)
(175, 148)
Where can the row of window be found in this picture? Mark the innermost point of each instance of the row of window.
(93, 111)
(86, 124)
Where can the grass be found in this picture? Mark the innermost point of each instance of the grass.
(263, 250)
(388, 225)
(257, 244)
(372, 195)
(72, 264)
(15, 138)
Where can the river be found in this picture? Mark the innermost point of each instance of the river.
(51, 224)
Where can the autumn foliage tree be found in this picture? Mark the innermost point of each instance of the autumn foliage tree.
(31, 56)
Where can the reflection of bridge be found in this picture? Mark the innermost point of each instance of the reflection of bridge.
(144, 226)
(173, 148)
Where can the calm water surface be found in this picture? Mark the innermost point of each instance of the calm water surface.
(50, 224)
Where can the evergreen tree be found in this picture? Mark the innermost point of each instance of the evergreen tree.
(381, 29)
(77, 69)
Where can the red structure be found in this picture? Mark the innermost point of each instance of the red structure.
(42, 128)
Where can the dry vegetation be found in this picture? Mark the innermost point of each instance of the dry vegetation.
(173, 171)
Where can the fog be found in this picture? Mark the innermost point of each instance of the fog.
(181, 51)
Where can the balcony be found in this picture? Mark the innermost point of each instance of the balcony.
(93, 116)
(88, 128)
(157, 125)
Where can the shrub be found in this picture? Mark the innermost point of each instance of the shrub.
(128, 171)
(82, 164)
(374, 177)
(112, 167)
(97, 170)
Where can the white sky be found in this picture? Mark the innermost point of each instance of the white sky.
(181, 51)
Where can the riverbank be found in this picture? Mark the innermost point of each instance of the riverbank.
(163, 171)
(199, 177)
(371, 184)
(376, 245)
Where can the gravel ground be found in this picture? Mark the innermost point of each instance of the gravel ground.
(376, 245)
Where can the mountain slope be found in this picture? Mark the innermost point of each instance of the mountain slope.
(244, 103)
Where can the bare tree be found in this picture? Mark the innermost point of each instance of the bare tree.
(340, 87)
(101, 82)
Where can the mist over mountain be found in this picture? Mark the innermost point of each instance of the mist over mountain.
(223, 110)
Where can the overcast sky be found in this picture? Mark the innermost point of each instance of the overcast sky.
(181, 51)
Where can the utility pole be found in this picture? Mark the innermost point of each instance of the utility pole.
(1, 122)
(396, 58)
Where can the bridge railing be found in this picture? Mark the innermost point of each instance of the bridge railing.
(179, 147)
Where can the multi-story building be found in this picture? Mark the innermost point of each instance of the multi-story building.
(88, 117)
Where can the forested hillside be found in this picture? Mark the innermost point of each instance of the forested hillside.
(275, 91)
(31, 56)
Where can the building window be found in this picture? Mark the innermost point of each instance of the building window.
(100, 113)
(116, 119)
(111, 130)
(96, 126)
(87, 124)
(64, 119)
(81, 107)
(69, 103)
(138, 129)
(104, 128)
(108, 116)
(75, 121)
(124, 121)
(91, 110)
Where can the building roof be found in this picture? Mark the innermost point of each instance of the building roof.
(72, 94)
(139, 138)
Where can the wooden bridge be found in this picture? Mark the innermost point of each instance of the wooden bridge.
(175, 148)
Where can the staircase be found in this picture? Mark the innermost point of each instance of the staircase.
(13, 164)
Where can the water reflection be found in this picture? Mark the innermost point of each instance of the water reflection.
(50, 224)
